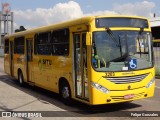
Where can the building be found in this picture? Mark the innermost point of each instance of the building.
(155, 27)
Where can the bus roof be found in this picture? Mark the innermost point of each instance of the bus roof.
(67, 24)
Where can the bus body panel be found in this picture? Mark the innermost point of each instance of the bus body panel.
(118, 91)
(19, 64)
(47, 71)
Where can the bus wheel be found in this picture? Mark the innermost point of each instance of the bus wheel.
(66, 93)
(20, 78)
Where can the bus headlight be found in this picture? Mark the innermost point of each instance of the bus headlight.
(150, 83)
(99, 87)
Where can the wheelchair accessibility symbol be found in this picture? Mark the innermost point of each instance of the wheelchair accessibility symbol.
(133, 64)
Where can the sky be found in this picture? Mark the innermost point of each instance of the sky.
(34, 13)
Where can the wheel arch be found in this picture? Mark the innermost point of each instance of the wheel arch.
(62, 81)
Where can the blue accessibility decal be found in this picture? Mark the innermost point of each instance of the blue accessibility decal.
(132, 63)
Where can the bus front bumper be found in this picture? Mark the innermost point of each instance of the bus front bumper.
(99, 97)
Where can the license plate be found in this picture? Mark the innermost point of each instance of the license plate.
(129, 96)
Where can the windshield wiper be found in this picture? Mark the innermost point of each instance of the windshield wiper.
(112, 35)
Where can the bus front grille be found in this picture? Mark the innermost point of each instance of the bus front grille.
(125, 80)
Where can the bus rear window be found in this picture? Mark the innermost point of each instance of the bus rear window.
(121, 22)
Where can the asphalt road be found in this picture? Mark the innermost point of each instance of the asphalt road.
(28, 99)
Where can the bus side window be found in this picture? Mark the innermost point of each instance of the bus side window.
(43, 43)
(60, 42)
(19, 45)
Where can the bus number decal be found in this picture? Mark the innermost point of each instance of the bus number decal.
(110, 74)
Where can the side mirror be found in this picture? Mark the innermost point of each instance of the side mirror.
(88, 38)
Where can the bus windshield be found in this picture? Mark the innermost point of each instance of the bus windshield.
(131, 51)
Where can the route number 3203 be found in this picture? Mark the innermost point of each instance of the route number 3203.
(110, 74)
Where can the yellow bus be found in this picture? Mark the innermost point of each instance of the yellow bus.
(95, 59)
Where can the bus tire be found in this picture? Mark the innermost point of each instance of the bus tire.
(20, 78)
(65, 93)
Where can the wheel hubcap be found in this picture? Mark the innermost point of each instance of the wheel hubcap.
(65, 92)
(20, 78)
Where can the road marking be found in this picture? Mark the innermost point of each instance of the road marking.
(157, 87)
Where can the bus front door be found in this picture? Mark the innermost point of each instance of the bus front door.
(29, 59)
(11, 58)
(80, 66)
